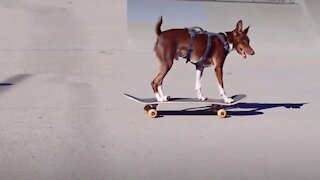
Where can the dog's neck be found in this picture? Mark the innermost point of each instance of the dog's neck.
(230, 47)
(229, 39)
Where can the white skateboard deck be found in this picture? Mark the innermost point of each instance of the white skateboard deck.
(237, 99)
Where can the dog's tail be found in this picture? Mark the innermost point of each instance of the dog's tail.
(158, 26)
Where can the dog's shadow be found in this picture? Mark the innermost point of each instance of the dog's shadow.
(241, 109)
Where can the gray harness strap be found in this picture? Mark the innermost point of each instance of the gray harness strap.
(193, 31)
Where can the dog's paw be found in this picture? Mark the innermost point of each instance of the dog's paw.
(162, 98)
(165, 98)
(200, 96)
(228, 100)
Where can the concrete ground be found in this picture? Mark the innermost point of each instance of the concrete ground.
(66, 63)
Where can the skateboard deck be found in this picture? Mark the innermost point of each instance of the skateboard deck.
(216, 104)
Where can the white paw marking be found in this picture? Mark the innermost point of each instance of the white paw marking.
(162, 98)
(200, 96)
(228, 100)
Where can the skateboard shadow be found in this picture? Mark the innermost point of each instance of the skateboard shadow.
(241, 109)
(8, 83)
(5, 84)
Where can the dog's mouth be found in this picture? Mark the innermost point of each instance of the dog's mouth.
(243, 53)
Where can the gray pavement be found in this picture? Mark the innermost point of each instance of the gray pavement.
(65, 65)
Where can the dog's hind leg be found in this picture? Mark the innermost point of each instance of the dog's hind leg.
(156, 84)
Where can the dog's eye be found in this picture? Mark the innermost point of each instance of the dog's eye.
(246, 41)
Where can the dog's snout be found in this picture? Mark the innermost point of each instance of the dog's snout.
(250, 51)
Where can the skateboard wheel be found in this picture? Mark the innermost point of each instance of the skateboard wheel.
(153, 113)
(147, 108)
(222, 113)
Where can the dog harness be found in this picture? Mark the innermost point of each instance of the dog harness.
(193, 31)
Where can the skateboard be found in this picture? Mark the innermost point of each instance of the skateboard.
(217, 106)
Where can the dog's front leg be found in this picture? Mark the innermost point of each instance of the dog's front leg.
(199, 73)
(219, 74)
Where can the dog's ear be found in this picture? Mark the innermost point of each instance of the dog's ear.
(239, 26)
(246, 30)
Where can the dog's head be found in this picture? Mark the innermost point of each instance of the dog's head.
(240, 40)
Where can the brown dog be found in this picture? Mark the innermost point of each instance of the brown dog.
(174, 43)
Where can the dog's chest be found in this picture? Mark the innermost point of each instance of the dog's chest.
(207, 63)
(195, 57)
